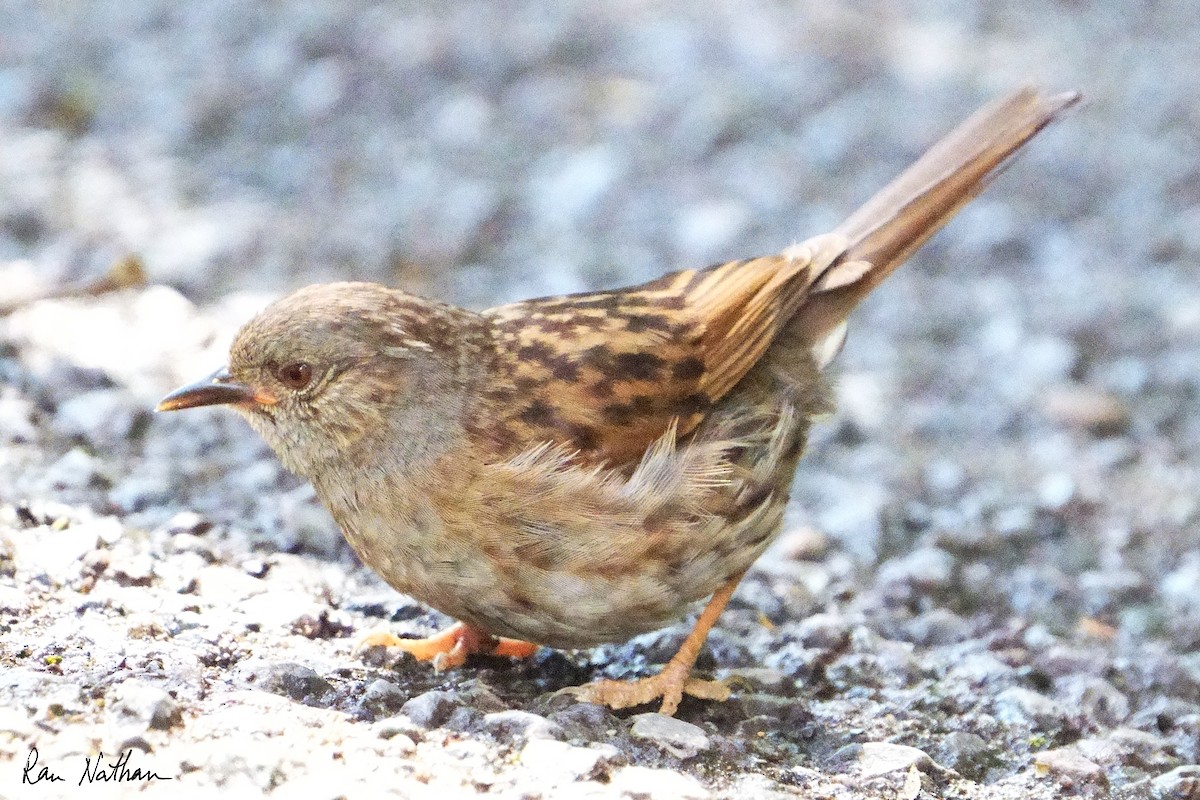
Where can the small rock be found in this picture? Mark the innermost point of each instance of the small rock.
(1181, 783)
(1086, 408)
(101, 416)
(1181, 586)
(680, 739)
(582, 720)
(657, 784)
(13, 601)
(824, 631)
(190, 543)
(135, 571)
(552, 759)
(761, 678)
(966, 753)
(144, 705)
(1095, 697)
(431, 709)
(77, 469)
(481, 697)
(16, 417)
(938, 626)
(296, 681)
(880, 758)
(382, 698)
(187, 522)
(276, 609)
(399, 725)
(514, 724)
(803, 544)
(925, 570)
(54, 553)
(1068, 763)
(1025, 706)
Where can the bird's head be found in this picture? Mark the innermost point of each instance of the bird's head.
(335, 371)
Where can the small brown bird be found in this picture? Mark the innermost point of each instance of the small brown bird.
(574, 470)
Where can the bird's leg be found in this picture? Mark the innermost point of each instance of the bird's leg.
(673, 682)
(450, 647)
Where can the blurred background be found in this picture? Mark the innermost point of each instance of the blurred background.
(1017, 433)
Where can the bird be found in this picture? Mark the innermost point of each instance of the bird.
(573, 470)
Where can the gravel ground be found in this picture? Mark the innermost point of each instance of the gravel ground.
(989, 585)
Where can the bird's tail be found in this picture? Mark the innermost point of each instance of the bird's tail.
(904, 214)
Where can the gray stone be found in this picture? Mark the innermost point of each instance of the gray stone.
(920, 572)
(1025, 706)
(399, 725)
(143, 705)
(1095, 697)
(431, 709)
(556, 761)
(880, 758)
(680, 739)
(966, 753)
(825, 631)
(137, 570)
(1181, 783)
(1069, 763)
(13, 600)
(101, 416)
(646, 783)
(517, 724)
(383, 698)
(296, 681)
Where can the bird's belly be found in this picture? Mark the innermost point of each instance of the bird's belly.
(563, 608)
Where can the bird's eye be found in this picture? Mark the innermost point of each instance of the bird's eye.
(296, 375)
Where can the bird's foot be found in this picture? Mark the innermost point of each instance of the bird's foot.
(449, 648)
(671, 685)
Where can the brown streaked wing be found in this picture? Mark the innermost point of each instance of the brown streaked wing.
(607, 372)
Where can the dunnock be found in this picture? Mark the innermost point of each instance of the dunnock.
(573, 470)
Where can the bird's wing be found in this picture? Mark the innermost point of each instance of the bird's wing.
(609, 372)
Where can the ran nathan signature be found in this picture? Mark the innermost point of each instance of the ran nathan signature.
(96, 771)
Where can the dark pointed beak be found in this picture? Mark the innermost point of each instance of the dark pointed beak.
(218, 389)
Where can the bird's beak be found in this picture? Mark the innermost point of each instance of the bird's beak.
(218, 389)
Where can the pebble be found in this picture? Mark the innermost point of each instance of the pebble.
(1181, 783)
(920, 572)
(646, 783)
(966, 753)
(431, 709)
(54, 553)
(803, 544)
(824, 631)
(143, 705)
(382, 698)
(1181, 586)
(558, 761)
(103, 417)
(296, 681)
(399, 725)
(515, 723)
(77, 469)
(1102, 702)
(1025, 706)
(13, 600)
(880, 758)
(1067, 762)
(1086, 408)
(137, 570)
(679, 738)
(938, 626)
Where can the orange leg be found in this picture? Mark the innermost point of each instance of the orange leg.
(673, 682)
(450, 647)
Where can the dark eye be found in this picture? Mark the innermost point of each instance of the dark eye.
(296, 375)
